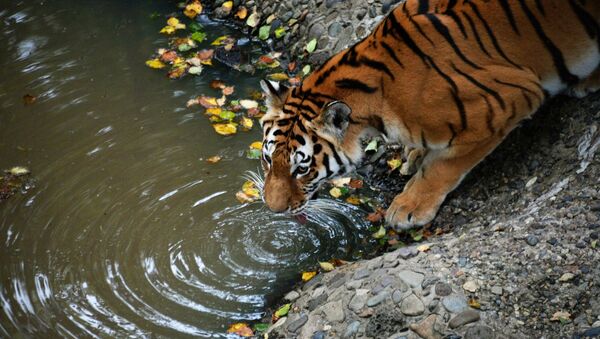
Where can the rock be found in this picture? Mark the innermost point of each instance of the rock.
(465, 317)
(407, 252)
(316, 302)
(318, 335)
(376, 300)
(354, 284)
(314, 282)
(335, 280)
(386, 322)
(397, 296)
(454, 303)
(442, 289)
(497, 290)
(426, 328)
(352, 329)
(296, 324)
(470, 286)
(277, 324)
(532, 240)
(566, 277)
(429, 281)
(413, 279)
(412, 305)
(366, 313)
(358, 300)
(593, 332)
(361, 274)
(479, 332)
(334, 29)
(318, 291)
(334, 311)
(293, 295)
(433, 305)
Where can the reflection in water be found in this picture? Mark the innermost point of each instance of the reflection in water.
(129, 231)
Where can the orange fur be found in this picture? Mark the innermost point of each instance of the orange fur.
(452, 78)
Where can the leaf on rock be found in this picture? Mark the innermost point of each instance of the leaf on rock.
(354, 200)
(311, 45)
(474, 303)
(375, 216)
(195, 70)
(395, 163)
(326, 266)
(226, 129)
(278, 76)
(155, 63)
(227, 5)
(279, 32)
(561, 316)
(380, 233)
(306, 276)
(423, 248)
(283, 310)
(253, 20)
(214, 159)
(335, 192)
(240, 329)
(263, 32)
(193, 9)
(242, 13)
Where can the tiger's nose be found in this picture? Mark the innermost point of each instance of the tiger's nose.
(277, 197)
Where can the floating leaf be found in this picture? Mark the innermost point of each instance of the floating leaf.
(240, 329)
(217, 84)
(306, 276)
(248, 104)
(174, 22)
(283, 310)
(29, 99)
(213, 110)
(326, 266)
(184, 47)
(198, 36)
(169, 56)
(335, 192)
(246, 123)
(177, 72)
(214, 159)
(167, 30)
(311, 45)
(354, 200)
(194, 26)
(380, 233)
(306, 70)
(261, 327)
(228, 90)
(226, 129)
(253, 154)
(221, 40)
(155, 63)
(279, 32)
(193, 9)
(207, 102)
(227, 115)
(242, 13)
(227, 5)
(250, 189)
(278, 76)
(18, 171)
(263, 32)
(256, 145)
(375, 216)
(394, 163)
(195, 70)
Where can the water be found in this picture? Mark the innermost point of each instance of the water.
(128, 230)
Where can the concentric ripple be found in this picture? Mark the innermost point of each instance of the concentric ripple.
(128, 231)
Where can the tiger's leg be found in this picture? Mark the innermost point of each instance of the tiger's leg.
(587, 86)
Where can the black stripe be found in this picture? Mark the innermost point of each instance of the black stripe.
(423, 139)
(404, 36)
(301, 107)
(461, 110)
(489, 115)
(301, 126)
(323, 76)
(529, 103)
(328, 171)
(491, 34)
(443, 30)
(509, 15)
(458, 22)
(476, 33)
(377, 65)
(513, 112)
(335, 154)
(540, 7)
(481, 86)
(423, 6)
(355, 84)
(415, 24)
(392, 53)
(451, 4)
(588, 22)
(557, 57)
(453, 134)
(317, 148)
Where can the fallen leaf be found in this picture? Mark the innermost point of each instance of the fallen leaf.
(250, 189)
(306, 70)
(198, 36)
(227, 5)
(29, 99)
(561, 316)
(226, 129)
(341, 182)
(195, 26)
(423, 248)
(380, 233)
(253, 154)
(278, 76)
(395, 163)
(217, 84)
(208, 102)
(177, 72)
(355, 183)
(291, 66)
(354, 200)
(295, 81)
(195, 70)
(213, 111)
(326, 266)
(193, 9)
(246, 123)
(474, 303)
(279, 32)
(155, 63)
(416, 235)
(240, 329)
(227, 115)
(306, 276)
(214, 159)
(248, 104)
(168, 56)
(19, 171)
(311, 45)
(242, 13)
(256, 145)
(244, 198)
(174, 22)
(263, 32)
(167, 30)
(205, 56)
(282, 311)
(253, 20)
(228, 90)
(335, 192)
(375, 216)
(372, 146)
(221, 40)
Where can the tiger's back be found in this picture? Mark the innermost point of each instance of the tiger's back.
(449, 77)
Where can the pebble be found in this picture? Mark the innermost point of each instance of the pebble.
(352, 329)
(334, 312)
(353, 284)
(314, 303)
(361, 274)
(581, 244)
(454, 303)
(318, 335)
(566, 277)
(407, 252)
(442, 289)
(413, 279)
(532, 240)
(296, 324)
(465, 317)
(293, 295)
(470, 286)
(358, 300)
(376, 300)
(426, 328)
(479, 332)
(497, 290)
(433, 305)
(397, 296)
(412, 306)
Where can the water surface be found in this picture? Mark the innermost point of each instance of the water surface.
(128, 230)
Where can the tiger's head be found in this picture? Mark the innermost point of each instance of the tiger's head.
(303, 145)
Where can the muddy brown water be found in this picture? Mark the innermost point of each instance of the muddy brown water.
(128, 231)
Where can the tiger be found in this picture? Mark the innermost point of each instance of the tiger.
(450, 78)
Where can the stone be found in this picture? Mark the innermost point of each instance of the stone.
(429, 281)
(566, 277)
(316, 302)
(470, 286)
(366, 313)
(353, 284)
(386, 322)
(413, 279)
(497, 290)
(412, 306)
(454, 303)
(397, 296)
(532, 240)
(376, 300)
(334, 311)
(442, 289)
(318, 291)
(358, 300)
(433, 305)
(407, 252)
(426, 328)
(479, 332)
(277, 324)
(361, 274)
(335, 279)
(463, 318)
(296, 324)
(593, 332)
(314, 282)
(334, 29)
(293, 295)
(352, 329)
(318, 335)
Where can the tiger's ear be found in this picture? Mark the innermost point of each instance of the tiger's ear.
(276, 93)
(334, 119)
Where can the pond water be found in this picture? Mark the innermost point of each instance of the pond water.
(128, 230)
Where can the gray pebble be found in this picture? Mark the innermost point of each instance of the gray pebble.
(318, 335)
(293, 295)
(352, 329)
(497, 290)
(479, 332)
(407, 252)
(463, 318)
(296, 324)
(442, 289)
(455, 303)
(361, 274)
(376, 300)
(413, 279)
(532, 240)
(358, 300)
(334, 311)
(316, 302)
(412, 305)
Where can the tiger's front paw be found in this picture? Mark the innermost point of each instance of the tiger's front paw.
(407, 211)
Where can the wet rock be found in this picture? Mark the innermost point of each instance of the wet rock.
(296, 324)
(361, 274)
(366, 313)
(354, 284)
(336, 281)
(334, 311)
(397, 296)
(479, 332)
(429, 281)
(465, 317)
(316, 302)
(470, 286)
(358, 300)
(413, 279)
(532, 240)
(376, 300)
(454, 303)
(314, 282)
(385, 323)
(412, 306)
(352, 329)
(426, 328)
(292, 296)
(442, 289)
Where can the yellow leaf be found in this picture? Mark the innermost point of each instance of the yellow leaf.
(207, 62)
(193, 9)
(394, 163)
(244, 198)
(354, 200)
(380, 233)
(250, 189)
(219, 41)
(256, 145)
(306, 276)
(179, 62)
(214, 159)
(326, 266)
(155, 63)
(474, 303)
(167, 30)
(227, 4)
(240, 329)
(278, 76)
(18, 171)
(226, 129)
(335, 192)
(247, 123)
(213, 110)
(174, 22)
(241, 13)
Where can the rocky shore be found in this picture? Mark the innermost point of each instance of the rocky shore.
(521, 254)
